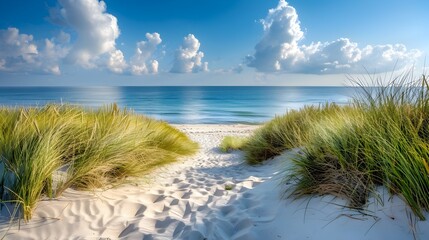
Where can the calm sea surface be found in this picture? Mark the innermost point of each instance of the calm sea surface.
(185, 104)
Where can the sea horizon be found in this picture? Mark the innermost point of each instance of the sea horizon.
(185, 104)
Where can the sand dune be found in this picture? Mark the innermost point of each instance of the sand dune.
(189, 200)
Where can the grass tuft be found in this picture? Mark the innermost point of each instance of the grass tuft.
(285, 132)
(381, 138)
(230, 143)
(45, 150)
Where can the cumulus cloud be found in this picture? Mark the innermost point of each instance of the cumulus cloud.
(97, 33)
(14, 44)
(279, 50)
(188, 58)
(95, 46)
(116, 62)
(142, 62)
(19, 52)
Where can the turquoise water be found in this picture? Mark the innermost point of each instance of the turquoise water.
(185, 104)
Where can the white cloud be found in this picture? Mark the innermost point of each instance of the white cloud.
(95, 46)
(343, 55)
(16, 46)
(153, 66)
(141, 62)
(19, 52)
(97, 33)
(279, 50)
(116, 62)
(188, 58)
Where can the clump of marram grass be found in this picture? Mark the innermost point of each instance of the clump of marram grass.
(382, 138)
(95, 148)
(230, 143)
(397, 118)
(286, 132)
(333, 162)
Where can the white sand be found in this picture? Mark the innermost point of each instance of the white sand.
(188, 200)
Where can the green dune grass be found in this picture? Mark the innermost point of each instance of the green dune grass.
(381, 138)
(230, 143)
(286, 132)
(46, 150)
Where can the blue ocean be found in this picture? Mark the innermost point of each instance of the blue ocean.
(210, 105)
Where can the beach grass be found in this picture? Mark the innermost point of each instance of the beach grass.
(230, 143)
(47, 149)
(381, 138)
(286, 132)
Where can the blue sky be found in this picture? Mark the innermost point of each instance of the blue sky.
(204, 42)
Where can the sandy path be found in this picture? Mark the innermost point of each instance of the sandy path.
(189, 200)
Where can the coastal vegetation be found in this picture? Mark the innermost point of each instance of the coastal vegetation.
(380, 138)
(44, 150)
(230, 143)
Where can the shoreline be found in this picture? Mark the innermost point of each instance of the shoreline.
(213, 195)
